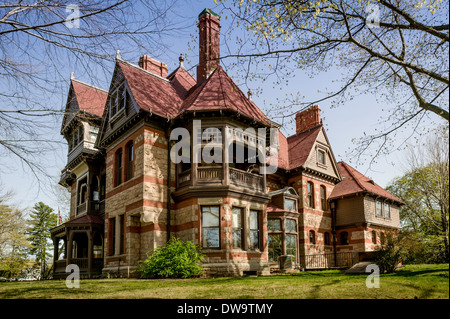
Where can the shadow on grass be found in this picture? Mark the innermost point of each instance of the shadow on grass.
(411, 273)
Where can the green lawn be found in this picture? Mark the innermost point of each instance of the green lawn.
(412, 281)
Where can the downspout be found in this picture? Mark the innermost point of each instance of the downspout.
(169, 168)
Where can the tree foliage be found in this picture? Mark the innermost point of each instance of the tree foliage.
(395, 50)
(42, 219)
(177, 259)
(424, 189)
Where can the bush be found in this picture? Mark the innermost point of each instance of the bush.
(177, 259)
(389, 256)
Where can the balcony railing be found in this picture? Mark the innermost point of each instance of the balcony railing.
(82, 208)
(323, 261)
(215, 175)
(245, 179)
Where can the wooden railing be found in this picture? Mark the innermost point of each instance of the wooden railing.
(241, 178)
(210, 173)
(184, 178)
(324, 261)
(80, 262)
(60, 265)
(82, 208)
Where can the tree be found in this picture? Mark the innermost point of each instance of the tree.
(425, 190)
(395, 50)
(42, 219)
(13, 241)
(38, 39)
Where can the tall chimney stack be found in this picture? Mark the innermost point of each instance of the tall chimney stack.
(209, 43)
(307, 119)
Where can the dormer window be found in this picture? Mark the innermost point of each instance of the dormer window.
(118, 99)
(76, 137)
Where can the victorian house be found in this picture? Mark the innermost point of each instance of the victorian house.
(128, 195)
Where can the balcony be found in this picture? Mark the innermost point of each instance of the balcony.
(217, 175)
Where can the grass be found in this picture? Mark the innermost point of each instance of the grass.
(411, 281)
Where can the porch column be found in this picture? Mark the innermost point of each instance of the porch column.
(69, 247)
(225, 155)
(90, 249)
(55, 252)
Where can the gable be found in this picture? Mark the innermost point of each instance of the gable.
(321, 158)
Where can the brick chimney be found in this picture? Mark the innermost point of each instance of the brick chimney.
(153, 66)
(307, 119)
(209, 43)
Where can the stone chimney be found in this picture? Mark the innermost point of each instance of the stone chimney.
(153, 66)
(307, 119)
(209, 43)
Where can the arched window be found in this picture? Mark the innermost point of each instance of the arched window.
(326, 238)
(119, 167)
(310, 189)
(344, 238)
(323, 197)
(312, 237)
(374, 237)
(129, 161)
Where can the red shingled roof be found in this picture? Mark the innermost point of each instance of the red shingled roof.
(182, 81)
(90, 99)
(300, 146)
(87, 219)
(355, 182)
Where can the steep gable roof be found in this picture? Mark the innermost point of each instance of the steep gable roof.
(151, 92)
(90, 99)
(182, 81)
(300, 146)
(354, 182)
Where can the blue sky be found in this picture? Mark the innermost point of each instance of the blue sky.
(342, 124)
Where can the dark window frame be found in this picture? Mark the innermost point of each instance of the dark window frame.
(210, 227)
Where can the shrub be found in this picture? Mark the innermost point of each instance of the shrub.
(177, 259)
(389, 256)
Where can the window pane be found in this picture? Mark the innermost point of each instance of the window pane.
(291, 245)
(237, 238)
(379, 213)
(290, 225)
(386, 210)
(275, 245)
(254, 239)
(253, 219)
(211, 237)
(237, 217)
(289, 204)
(210, 216)
(274, 224)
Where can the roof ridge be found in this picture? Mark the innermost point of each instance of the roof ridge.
(143, 70)
(347, 166)
(306, 131)
(90, 85)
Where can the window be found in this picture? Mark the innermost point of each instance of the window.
(326, 238)
(321, 157)
(121, 234)
(374, 237)
(291, 245)
(129, 164)
(118, 100)
(274, 224)
(275, 246)
(344, 238)
(312, 237)
(112, 236)
(237, 224)
(210, 227)
(387, 212)
(291, 226)
(289, 204)
(119, 164)
(254, 229)
(310, 189)
(379, 211)
(323, 197)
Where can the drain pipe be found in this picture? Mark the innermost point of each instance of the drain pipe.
(169, 170)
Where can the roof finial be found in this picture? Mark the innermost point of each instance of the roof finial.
(72, 76)
(118, 54)
(181, 59)
(249, 94)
